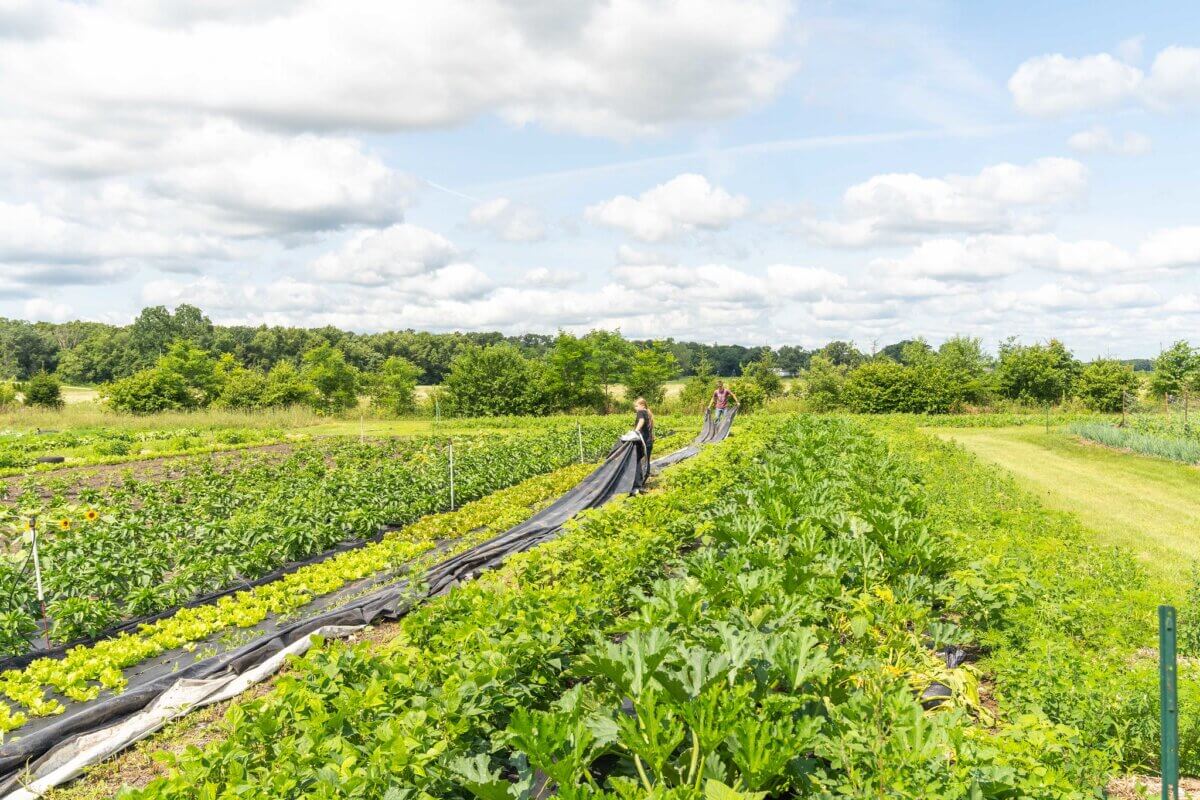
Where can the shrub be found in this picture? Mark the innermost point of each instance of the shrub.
(1103, 383)
(8, 395)
(698, 389)
(44, 390)
(749, 393)
(883, 386)
(762, 372)
(1035, 373)
(493, 381)
(151, 390)
(287, 387)
(244, 389)
(823, 385)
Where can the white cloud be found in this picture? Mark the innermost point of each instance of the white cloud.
(803, 282)
(1064, 297)
(44, 310)
(630, 255)
(266, 183)
(987, 257)
(1056, 84)
(459, 281)
(683, 204)
(1171, 248)
(1098, 139)
(508, 220)
(580, 66)
(1001, 197)
(375, 257)
(544, 277)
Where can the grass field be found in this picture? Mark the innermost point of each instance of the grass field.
(1148, 505)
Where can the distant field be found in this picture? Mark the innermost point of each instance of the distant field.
(1148, 505)
(79, 394)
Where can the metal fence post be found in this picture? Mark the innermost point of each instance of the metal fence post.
(579, 433)
(452, 476)
(1168, 703)
(37, 577)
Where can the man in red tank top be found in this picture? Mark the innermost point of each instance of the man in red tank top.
(721, 398)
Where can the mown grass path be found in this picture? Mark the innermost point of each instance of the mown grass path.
(1148, 505)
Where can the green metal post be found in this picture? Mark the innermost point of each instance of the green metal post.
(1168, 702)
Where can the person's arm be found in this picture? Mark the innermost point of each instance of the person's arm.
(641, 422)
(712, 401)
(733, 397)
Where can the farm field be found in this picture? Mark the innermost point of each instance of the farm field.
(133, 548)
(835, 571)
(1147, 505)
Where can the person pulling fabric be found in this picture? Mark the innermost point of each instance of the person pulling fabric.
(644, 427)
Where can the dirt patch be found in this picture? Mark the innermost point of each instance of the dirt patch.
(1138, 787)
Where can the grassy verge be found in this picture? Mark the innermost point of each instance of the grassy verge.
(1145, 505)
(1066, 622)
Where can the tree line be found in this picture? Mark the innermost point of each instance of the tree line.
(180, 360)
(93, 353)
(913, 377)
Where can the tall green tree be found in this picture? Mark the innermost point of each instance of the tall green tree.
(651, 367)
(336, 382)
(393, 387)
(572, 376)
(792, 359)
(610, 354)
(1177, 368)
(842, 354)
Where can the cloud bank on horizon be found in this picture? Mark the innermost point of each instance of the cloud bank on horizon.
(735, 170)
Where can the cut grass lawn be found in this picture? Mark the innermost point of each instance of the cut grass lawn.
(1149, 506)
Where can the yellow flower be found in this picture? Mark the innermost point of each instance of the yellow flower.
(92, 515)
(65, 524)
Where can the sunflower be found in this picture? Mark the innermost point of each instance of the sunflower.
(92, 515)
(65, 524)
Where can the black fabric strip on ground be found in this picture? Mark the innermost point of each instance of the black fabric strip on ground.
(20, 757)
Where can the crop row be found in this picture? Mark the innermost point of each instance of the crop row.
(86, 670)
(460, 664)
(139, 547)
(20, 450)
(789, 655)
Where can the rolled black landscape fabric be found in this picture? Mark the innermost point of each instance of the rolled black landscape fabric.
(55, 750)
(713, 430)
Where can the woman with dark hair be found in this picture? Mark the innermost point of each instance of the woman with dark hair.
(644, 427)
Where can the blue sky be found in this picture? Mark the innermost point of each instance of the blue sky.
(753, 171)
